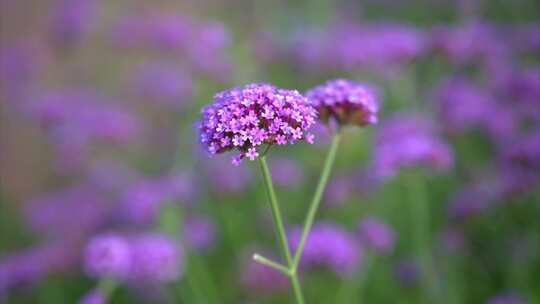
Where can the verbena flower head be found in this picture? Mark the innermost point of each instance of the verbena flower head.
(107, 255)
(346, 101)
(244, 118)
(376, 234)
(328, 245)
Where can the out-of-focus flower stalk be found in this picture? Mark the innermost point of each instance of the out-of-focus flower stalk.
(280, 231)
(107, 286)
(420, 216)
(353, 289)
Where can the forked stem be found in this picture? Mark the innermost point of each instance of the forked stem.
(277, 266)
(280, 230)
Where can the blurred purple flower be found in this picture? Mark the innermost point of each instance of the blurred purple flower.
(471, 200)
(163, 83)
(461, 106)
(328, 245)
(346, 101)
(506, 298)
(107, 255)
(155, 258)
(527, 37)
(286, 172)
(267, 48)
(141, 202)
(522, 89)
(342, 187)
(349, 45)
(453, 239)
(245, 117)
(94, 296)
(72, 20)
(408, 139)
(199, 232)
(376, 235)
(384, 44)
(85, 111)
(470, 42)
(407, 273)
(203, 43)
(524, 150)
(207, 50)
(111, 175)
(19, 64)
(225, 178)
(71, 212)
(32, 264)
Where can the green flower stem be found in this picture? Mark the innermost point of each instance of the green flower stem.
(421, 225)
(277, 266)
(328, 164)
(107, 286)
(353, 289)
(280, 230)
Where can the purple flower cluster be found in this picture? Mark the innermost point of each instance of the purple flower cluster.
(244, 118)
(328, 245)
(408, 140)
(346, 101)
(148, 257)
(376, 235)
